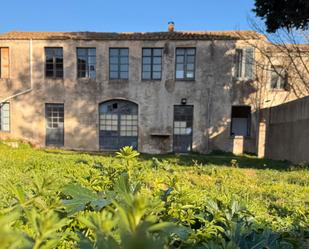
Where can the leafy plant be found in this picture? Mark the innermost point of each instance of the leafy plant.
(61, 199)
(128, 154)
(81, 198)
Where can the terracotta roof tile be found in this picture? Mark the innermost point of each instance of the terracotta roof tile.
(177, 35)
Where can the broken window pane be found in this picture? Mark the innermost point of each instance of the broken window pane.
(53, 62)
(185, 63)
(86, 63)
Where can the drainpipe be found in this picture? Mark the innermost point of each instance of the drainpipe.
(31, 83)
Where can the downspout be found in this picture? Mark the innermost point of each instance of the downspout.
(31, 82)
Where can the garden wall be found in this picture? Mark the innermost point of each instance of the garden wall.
(287, 135)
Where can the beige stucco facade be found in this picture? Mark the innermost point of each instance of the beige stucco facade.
(212, 93)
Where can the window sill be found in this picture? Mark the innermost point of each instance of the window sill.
(242, 79)
(5, 132)
(185, 80)
(86, 80)
(118, 81)
(158, 134)
(145, 80)
(277, 90)
(54, 79)
(239, 137)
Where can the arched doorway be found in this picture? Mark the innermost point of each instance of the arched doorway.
(118, 124)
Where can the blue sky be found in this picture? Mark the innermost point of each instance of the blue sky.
(121, 15)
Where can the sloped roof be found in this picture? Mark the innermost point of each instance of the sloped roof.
(287, 48)
(177, 35)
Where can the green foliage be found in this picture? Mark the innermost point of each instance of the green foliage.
(62, 199)
(128, 154)
(81, 198)
(283, 14)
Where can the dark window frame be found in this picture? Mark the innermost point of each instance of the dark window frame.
(152, 57)
(54, 63)
(119, 64)
(87, 66)
(249, 121)
(185, 78)
(244, 63)
(281, 78)
(47, 105)
(177, 120)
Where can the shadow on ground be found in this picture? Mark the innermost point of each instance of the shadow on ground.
(223, 159)
(216, 158)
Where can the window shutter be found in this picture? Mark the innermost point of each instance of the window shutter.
(249, 63)
(4, 63)
(286, 86)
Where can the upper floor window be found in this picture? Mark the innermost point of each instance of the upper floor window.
(54, 62)
(5, 116)
(244, 63)
(279, 78)
(118, 63)
(86, 63)
(185, 63)
(152, 64)
(4, 63)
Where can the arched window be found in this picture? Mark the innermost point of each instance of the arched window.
(118, 124)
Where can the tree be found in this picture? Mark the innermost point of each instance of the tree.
(283, 14)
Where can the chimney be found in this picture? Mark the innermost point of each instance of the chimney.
(171, 26)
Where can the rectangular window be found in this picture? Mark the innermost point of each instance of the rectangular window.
(244, 63)
(4, 116)
(53, 62)
(185, 63)
(241, 121)
(152, 64)
(279, 78)
(118, 63)
(4, 63)
(86, 63)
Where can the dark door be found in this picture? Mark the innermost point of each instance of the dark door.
(54, 114)
(183, 124)
(118, 124)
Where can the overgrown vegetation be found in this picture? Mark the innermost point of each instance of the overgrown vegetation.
(62, 199)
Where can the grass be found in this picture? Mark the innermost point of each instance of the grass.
(273, 191)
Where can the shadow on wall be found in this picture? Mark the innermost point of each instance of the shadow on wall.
(80, 106)
(232, 92)
(81, 98)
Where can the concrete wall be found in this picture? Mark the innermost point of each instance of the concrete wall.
(288, 131)
(212, 93)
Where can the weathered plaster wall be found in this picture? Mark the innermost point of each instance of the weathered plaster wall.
(212, 94)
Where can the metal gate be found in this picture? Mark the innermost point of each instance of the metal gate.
(183, 124)
(54, 114)
(118, 124)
